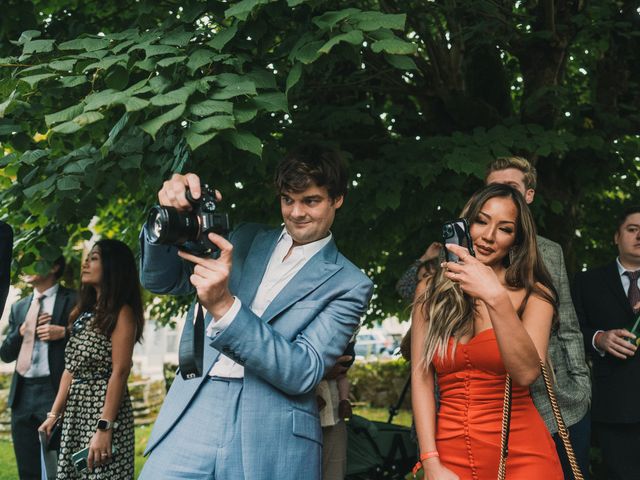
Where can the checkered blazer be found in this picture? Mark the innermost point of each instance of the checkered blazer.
(566, 349)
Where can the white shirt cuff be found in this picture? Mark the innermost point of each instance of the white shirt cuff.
(593, 343)
(216, 326)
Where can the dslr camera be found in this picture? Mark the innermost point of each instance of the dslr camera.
(188, 230)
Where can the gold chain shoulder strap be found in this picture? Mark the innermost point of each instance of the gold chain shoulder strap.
(506, 424)
(562, 429)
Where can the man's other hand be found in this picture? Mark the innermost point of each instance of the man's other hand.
(344, 409)
(616, 342)
(47, 332)
(211, 277)
(338, 369)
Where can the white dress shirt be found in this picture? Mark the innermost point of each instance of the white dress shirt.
(279, 272)
(40, 356)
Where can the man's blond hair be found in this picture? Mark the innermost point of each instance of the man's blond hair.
(519, 163)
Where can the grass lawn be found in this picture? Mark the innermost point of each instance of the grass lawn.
(8, 470)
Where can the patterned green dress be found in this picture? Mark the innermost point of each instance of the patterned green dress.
(88, 358)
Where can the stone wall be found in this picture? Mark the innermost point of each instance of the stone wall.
(146, 398)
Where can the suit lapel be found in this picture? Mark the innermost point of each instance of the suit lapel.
(59, 307)
(615, 284)
(315, 272)
(255, 264)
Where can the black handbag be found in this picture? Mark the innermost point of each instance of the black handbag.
(53, 442)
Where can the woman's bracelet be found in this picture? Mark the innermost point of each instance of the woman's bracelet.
(424, 456)
(427, 455)
(54, 415)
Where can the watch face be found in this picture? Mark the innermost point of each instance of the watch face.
(103, 424)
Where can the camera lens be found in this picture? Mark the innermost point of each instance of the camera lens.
(448, 231)
(167, 226)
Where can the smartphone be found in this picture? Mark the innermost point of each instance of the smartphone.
(456, 231)
(79, 459)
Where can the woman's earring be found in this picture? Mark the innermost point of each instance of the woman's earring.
(512, 255)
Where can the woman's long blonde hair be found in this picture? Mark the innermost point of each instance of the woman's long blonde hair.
(450, 312)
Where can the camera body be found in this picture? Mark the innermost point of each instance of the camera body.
(188, 230)
(457, 231)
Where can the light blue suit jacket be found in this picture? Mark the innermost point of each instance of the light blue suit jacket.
(285, 352)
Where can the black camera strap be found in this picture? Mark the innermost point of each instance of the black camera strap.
(191, 348)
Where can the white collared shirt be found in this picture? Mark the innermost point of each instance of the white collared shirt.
(626, 281)
(40, 356)
(279, 272)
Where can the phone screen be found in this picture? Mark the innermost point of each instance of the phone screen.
(79, 458)
(456, 231)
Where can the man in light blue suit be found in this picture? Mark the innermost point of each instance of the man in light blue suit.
(281, 306)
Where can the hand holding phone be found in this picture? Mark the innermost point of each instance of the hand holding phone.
(79, 459)
(457, 232)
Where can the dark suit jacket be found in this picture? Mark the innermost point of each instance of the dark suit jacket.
(6, 246)
(601, 304)
(65, 301)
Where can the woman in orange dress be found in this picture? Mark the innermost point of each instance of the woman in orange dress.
(472, 323)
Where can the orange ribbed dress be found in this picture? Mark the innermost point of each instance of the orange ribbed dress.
(470, 415)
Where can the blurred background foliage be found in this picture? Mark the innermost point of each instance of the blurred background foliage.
(101, 101)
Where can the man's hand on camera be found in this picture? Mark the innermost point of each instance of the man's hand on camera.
(174, 191)
(211, 277)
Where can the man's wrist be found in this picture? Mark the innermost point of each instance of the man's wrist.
(595, 342)
(222, 306)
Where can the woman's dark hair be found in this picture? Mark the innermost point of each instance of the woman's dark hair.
(312, 163)
(119, 287)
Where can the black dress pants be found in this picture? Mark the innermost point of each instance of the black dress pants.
(29, 410)
(619, 444)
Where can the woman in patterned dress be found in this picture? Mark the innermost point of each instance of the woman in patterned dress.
(93, 399)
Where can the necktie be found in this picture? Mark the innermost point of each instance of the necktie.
(31, 322)
(634, 291)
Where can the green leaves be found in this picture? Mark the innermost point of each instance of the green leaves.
(243, 8)
(180, 95)
(94, 124)
(88, 44)
(245, 87)
(222, 37)
(370, 21)
(64, 115)
(33, 80)
(245, 141)
(209, 107)
(353, 37)
(152, 126)
(394, 46)
(37, 46)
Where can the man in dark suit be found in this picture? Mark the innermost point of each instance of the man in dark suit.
(35, 340)
(607, 300)
(6, 246)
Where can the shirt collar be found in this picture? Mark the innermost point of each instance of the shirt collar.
(49, 292)
(621, 269)
(308, 249)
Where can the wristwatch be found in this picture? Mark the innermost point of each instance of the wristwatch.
(104, 424)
